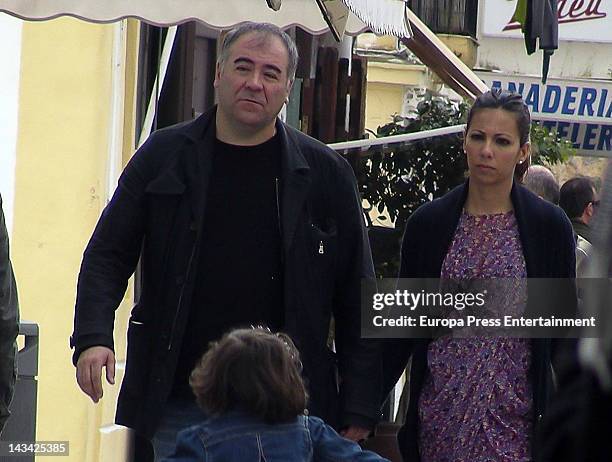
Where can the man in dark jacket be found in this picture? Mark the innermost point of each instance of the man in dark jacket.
(9, 324)
(578, 199)
(237, 219)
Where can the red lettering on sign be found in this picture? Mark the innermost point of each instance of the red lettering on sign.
(572, 11)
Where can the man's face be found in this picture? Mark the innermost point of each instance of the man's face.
(252, 84)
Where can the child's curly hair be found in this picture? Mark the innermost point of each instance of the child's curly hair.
(252, 370)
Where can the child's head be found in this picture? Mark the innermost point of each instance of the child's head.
(252, 370)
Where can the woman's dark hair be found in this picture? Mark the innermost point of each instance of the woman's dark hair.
(252, 370)
(513, 103)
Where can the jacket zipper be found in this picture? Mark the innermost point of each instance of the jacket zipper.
(180, 299)
(278, 219)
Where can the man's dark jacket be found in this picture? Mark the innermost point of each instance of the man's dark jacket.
(549, 250)
(156, 213)
(9, 324)
(582, 229)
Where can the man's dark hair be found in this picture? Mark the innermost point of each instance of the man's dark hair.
(541, 181)
(576, 194)
(513, 103)
(252, 370)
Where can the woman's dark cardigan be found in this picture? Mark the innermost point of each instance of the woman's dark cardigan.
(549, 250)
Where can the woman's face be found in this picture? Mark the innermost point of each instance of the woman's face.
(493, 147)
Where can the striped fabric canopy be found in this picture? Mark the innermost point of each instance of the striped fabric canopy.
(316, 16)
(382, 16)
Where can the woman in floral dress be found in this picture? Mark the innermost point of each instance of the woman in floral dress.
(480, 399)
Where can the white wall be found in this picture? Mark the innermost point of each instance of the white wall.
(572, 59)
(10, 53)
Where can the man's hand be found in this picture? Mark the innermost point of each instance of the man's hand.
(355, 433)
(89, 370)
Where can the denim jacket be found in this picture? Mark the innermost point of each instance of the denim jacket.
(239, 437)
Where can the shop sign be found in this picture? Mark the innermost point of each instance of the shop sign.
(579, 20)
(578, 110)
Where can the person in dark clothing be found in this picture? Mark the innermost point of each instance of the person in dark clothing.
(237, 219)
(578, 199)
(9, 324)
(482, 398)
(578, 425)
(249, 384)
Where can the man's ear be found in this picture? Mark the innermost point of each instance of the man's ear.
(218, 70)
(589, 210)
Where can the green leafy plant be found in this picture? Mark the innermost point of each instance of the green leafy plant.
(397, 180)
(547, 148)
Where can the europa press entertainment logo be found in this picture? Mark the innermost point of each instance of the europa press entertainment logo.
(570, 11)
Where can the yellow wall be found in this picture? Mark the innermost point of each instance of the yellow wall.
(387, 84)
(60, 190)
(388, 80)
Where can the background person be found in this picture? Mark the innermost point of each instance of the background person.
(9, 324)
(577, 427)
(542, 182)
(483, 398)
(579, 200)
(249, 384)
(237, 219)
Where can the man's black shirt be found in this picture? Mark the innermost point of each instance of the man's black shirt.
(239, 275)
